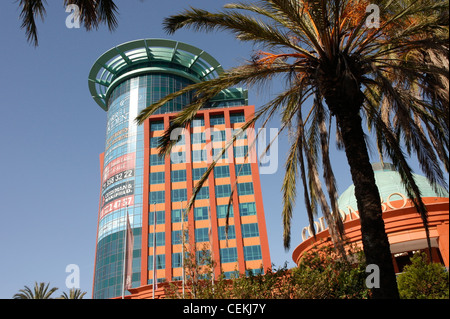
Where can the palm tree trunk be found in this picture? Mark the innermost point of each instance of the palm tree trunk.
(375, 242)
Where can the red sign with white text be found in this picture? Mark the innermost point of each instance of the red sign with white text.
(121, 195)
(118, 165)
(120, 203)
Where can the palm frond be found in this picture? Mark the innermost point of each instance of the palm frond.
(328, 174)
(107, 11)
(30, 10)
(244, 27)
(40, 291)
(395, 76)
(92, 14)
(400, 102)
(391, 146)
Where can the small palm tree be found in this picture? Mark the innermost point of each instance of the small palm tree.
(339, 71)
(92, 14)
(40, 291)
(73, 294)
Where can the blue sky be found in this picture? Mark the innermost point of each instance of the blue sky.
(52, 133)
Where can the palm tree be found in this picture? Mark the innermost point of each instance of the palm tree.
(338, 72)
(40, 291)
(73, 294)
(92, 14)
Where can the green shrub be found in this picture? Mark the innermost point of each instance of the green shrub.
(322, 274)
(423, 280)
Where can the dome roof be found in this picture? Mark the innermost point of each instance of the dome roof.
(389, 181)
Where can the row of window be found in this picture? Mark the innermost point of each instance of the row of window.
(197, 173)
(180, 195)
(227, 255)
(202, 234)
(200, 137)
(201, 213)
(199, 122)
(198, 156)
(226, 274)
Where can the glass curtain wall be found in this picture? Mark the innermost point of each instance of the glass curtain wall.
(122, 179)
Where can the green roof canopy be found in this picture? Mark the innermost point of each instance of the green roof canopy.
(388, 181)
(146, 56)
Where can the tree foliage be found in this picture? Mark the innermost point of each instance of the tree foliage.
(39, 291)
(42, 291)
(339, 73)
(423, 280)
(74, 293)
(92, 15)
(321, 274)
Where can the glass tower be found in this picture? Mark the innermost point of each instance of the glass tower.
(137, 182)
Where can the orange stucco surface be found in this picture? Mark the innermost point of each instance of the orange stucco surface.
(404, 228)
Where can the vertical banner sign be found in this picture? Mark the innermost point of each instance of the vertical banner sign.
(128, 256)
(155, 277)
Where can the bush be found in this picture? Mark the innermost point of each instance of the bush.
(322, 274)
(423, 280)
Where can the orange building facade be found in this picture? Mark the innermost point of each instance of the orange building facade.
(152, 191)
(403, 224)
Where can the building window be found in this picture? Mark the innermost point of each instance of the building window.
(177, 237)
(240, 151)
(177, 157)
(223, 190)
(231, 274)
(217, 119)
(231, 232)
(160, 217)
(157, 126)
(218, 136)
(245, 189)
(203, 193)
(222, 211)
(155, 159)
(160, 262)
(252, 252)
(181, 140)
(240, 134)
(221, 171)
(160, 239)
(201, 235)
(197, 173)
(199, 156)
(154, 142)
(203, 257)
(176, 216)
(247, 209)
(177, 262)
(201, 213)
(250, 230)
(243, 169)
(228, 255)
(178, 176)
(218, 151)
(157, 178)
(254, 272)
(179, 195)
(157, 197)
(198, 138)
(237, 118)
(198, 122)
